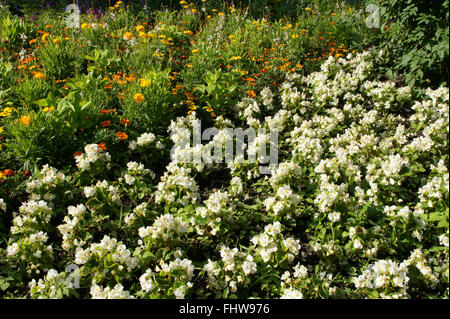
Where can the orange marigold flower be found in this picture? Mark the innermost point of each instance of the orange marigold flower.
(77, 153)
(122, 136)
(8, 172)
(102, 146)
(124, 121)
(25, 120)
(251, 93)
(106, 123)
(107, 111)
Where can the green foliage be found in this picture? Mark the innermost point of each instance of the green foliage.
(416, 40)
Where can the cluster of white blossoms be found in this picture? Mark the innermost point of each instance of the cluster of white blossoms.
(29, 235)
(51, 286)
(31, 217)
(285, 173)
(165, 227)
(135, 170)
(217, 210)
(248, 108)
(2, 204)
(272, 243)
(266, 96)
(112, 256)
(103, 186)
(117, 292)
(283, 203)
(391, 279)
(176, 274)
(71, 227)
(177, 186)
(31, 250)
(233, 270)
(47, 178)
(291, 293)
(139, 211)
(93, 156)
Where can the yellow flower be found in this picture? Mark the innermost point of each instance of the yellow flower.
(295, 36)
(48, 109)
(139, 97)
(307, 9)
(195, 50)
(182, 2)
(6, 111)
(84, 26)
(140, 28)
(39, 75)
(56, 41)
(25, 120)
(1, 130)
(233, 58)
(144, 82)
(188, 32)
(189, 66)
(119, 3)
(127, 36)
(45, 36)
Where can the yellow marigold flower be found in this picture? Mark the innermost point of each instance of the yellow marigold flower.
(140, 28)
(48, 109)
(56, 41)
(307, 9)
(188, 32)
(45, 36)
(220, 14)
(195, 50)
(119, 3)
(127, 36)
(295, 36)
(194, 11)
(25, 120)
(84, 26)
(39, 75)
(144, 82)
(182, 2)
(233, 58)
(189, 66)
(139, 97)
